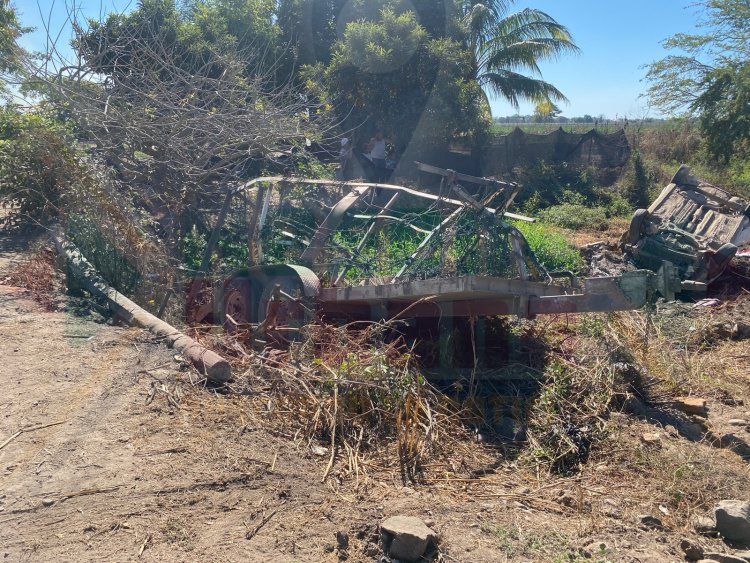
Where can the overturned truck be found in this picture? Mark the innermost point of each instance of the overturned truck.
(695, 226)
(352, 251)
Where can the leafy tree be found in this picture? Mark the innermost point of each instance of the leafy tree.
(387, 71)
(11, 54)
(708, 75)
(680, 78)
(182, 102)
(192, 36)
(724, 108)
(38, 165)
(508, 47)
(309, 29)
(545, 110)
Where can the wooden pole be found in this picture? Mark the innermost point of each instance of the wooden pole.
(209, 363)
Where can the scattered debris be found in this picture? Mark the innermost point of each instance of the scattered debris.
(319, 451)
(406, 537)
(143, 546)
(605, 260)
(649, 522)
(705, 526)
(708, 302)
(691, 405)
(29, 429)
(651, 438)
(264, 520)
(37, 275)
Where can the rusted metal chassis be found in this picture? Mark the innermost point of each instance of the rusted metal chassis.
(470, 296)
(463, 296)
(359, 189)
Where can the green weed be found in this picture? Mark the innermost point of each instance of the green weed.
(576, 217)
(550, 247)
(512, 540)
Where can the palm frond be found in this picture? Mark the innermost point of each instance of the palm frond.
(515, 87)
(509, 46)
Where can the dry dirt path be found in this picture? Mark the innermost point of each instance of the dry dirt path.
(120, 458)
(111, 477)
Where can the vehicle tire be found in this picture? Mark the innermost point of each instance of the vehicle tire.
(723, 256)
(239, 302)
(636, 225)
(299, 283)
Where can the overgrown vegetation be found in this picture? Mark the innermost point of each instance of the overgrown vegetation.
(551, 247)
(705, 76)
(40, 168)
(359, 394)
(170, 105)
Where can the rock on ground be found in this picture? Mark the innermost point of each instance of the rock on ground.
(723, 558)
(406, 537)
(733, 520)
(692, 551)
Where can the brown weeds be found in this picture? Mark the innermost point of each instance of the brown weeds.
(37, 275)
(359, 391)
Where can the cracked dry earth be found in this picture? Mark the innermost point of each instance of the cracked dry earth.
(110, 453)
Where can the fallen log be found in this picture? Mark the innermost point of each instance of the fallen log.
(209, 363)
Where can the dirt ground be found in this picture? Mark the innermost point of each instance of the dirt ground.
(122, 456)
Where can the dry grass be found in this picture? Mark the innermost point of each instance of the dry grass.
(674, 479)
(38, 276)
(616, 227)
(363, 396)
(691, 350)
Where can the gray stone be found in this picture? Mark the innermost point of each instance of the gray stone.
(733, 520)
(737, 422)
(705, 526)
(342, 539)
(692, 550)
(649, 522)
(406, 537)
(723, 558)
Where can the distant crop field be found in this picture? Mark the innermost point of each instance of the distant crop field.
(605, 126)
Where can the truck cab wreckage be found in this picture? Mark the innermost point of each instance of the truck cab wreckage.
(315, 248)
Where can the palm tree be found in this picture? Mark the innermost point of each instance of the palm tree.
(507, 48)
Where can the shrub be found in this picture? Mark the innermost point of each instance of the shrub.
(576, 216)
(38, 165)
(550, 247)
(550, 184)
(637, 190)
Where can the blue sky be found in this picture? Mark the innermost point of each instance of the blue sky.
(617, 38)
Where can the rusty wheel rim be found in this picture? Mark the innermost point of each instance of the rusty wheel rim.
(237, 304)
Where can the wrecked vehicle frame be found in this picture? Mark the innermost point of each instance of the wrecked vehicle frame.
(696, 226)
(289, 294)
